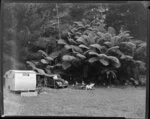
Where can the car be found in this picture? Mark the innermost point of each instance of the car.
(56, 82)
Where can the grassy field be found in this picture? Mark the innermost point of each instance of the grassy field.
(118, 102)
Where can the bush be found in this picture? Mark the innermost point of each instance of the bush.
(91, 51)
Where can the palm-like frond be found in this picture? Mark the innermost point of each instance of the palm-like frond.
(39, 71)
(56, 53)
(49, 58)
(93, 59)
(109, 44)
(66, 65)
(68, 47)
(76, 48)
(113, 49)
(126, 57)
(115, 40)
(97, 46)
(110, 73)
(80, 56)
(138, 62)
(142, 65)
(93, 53)
(115, 61)
(128, 48)
(105, 61)
(86, 52)
(84, 46)
(101, 35)
(113, 73)
(124, 34)
(68, 58)
(82, 40)
(71, 41)
(129, 44)
(141, 49)
(95, 39)
(44, 61)
(103, 56)
(43, 53)
(31, 64)
(58, 65)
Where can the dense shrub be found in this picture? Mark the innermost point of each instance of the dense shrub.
(91, 51)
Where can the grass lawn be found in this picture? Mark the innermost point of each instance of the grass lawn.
(118, 102)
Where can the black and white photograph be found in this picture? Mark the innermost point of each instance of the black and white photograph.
(75, 59)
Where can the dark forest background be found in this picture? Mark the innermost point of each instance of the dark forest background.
(80, 41)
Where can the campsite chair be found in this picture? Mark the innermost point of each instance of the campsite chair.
(83, 85)
(79, 85)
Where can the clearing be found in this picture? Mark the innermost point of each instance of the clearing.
(110, 102)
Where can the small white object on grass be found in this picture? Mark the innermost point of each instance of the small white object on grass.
(90, 86)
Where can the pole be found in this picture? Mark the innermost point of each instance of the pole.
(58, 21)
